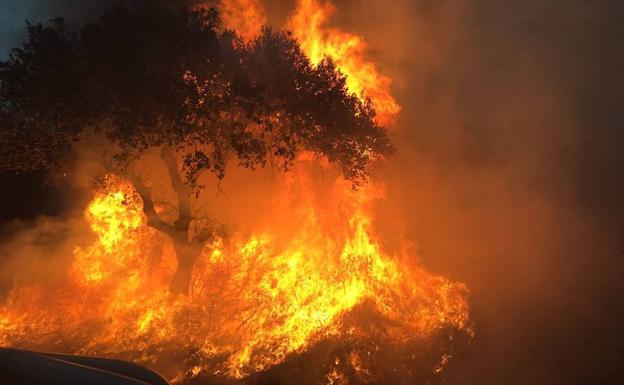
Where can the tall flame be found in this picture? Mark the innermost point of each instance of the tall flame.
(252, 303)
(308, 24)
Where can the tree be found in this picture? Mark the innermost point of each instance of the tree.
(151, 76)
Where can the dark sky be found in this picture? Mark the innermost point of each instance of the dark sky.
(510, 170)
(13, 13)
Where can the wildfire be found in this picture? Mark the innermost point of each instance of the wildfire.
(251, 304)
(254, 301)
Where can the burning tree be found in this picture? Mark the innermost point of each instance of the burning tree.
(154, 77)
(327, 306)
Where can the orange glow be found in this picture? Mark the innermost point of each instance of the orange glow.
(255, 299)
(308, 24)
(251, 302)
(246, 17)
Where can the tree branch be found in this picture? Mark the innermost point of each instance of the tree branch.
(183, 191)
(153, 219)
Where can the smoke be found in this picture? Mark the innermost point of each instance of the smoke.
(507, 173)
(39, 251)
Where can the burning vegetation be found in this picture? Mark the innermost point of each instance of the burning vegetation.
(160, 283)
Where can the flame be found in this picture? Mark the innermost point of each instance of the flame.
(251, 301)
(255, 300)
(308, 23)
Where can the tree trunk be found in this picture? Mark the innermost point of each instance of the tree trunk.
(186, 251)
(187, 255)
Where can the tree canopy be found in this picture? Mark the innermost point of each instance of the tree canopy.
(146, 76)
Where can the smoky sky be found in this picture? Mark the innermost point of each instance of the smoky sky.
(509, 172)
(14, 13)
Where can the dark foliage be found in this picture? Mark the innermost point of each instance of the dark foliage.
(147, 75)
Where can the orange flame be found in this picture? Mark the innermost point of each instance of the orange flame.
(308, 24)
(250, 301)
